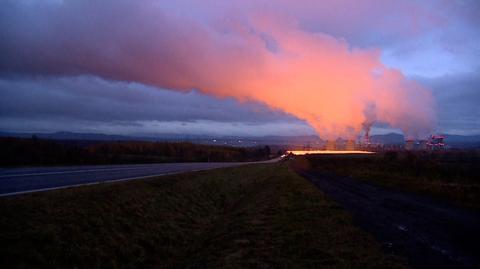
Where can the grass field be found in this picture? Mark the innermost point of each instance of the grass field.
(451, 175)
(258, 216)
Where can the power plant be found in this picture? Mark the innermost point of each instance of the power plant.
(434, 142)
(367, 143)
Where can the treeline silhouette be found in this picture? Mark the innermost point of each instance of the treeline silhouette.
(34, 151)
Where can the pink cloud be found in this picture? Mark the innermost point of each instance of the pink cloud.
(255, 54)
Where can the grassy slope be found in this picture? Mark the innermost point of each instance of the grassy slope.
(453, 176)
(253, 216)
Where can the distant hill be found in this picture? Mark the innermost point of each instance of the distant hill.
(239, 141)
(77, 136)
(462, 141)
(391, 138)
(452, 141)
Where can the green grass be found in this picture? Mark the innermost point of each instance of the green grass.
(452, 176)
(258, 216)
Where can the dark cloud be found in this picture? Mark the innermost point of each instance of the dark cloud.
(127, 40)
(458, 98)
(65, 103)
(91, 98)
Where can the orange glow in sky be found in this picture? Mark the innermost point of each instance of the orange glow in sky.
(335, 88)
(305, 152)
(250, 55)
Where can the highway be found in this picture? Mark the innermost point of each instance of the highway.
(14, 181)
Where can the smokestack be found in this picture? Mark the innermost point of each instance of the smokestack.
(366, 137)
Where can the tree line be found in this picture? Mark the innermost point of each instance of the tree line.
(34, 151)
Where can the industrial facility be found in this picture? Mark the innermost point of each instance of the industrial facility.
(434, 142)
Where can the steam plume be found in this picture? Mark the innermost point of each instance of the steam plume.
(337, 89)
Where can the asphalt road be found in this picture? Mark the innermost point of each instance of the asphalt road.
(429, 233)
(14, 181)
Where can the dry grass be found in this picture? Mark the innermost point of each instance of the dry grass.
(259, 216)
(453, 176)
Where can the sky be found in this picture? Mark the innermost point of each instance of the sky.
(249, 68)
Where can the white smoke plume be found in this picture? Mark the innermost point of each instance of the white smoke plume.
(249, 54)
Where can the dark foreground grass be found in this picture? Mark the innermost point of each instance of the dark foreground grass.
(448, 175)
(260, 216)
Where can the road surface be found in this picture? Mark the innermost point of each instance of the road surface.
(15, 181)
(430, 233)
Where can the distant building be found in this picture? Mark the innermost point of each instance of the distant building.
(436, 142)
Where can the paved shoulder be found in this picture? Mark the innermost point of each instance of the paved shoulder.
(432, 234)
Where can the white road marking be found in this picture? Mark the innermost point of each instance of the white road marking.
(214, 166)
(69, 172)
(103, 181)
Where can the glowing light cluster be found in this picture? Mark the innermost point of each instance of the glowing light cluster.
(305, 152)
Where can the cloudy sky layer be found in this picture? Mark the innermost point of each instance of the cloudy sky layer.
(435, 43)
(91, 104)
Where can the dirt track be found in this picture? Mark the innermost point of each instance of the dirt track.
(429, 233)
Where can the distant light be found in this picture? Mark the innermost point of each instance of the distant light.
(305, 152)
(214, 140)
